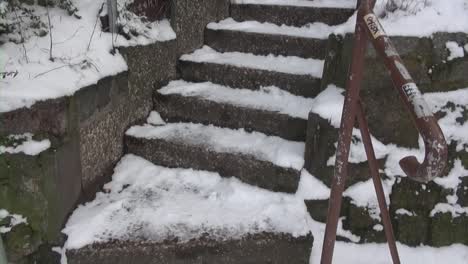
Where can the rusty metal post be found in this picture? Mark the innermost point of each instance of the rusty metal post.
(435, 159)
(436, 148)
(374, 172)
(344, 140)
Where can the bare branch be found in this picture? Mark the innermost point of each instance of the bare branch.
(51, 58)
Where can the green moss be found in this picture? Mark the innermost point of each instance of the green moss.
(447, 230)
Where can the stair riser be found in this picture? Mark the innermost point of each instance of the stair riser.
(245, 167)
(177, 108)
(303, 85)
(264, 44)
(271, 249)
(290, 15)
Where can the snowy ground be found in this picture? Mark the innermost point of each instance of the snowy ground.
(81, 53)
(145, 201)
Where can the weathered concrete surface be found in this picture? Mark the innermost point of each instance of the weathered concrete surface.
(423, 58)
(259, 248)
(447, 230)
(117, 103)
(189, 19)
(239, 77)
(289, 15)
(248, 42)
(43, 188)
(177, 108)
(48, 116)
(247, 168)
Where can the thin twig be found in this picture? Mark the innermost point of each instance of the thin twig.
(50, 32)
(63, 66)
(95, 23)
(21, 35)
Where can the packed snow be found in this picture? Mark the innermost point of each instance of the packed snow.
(82, 54)
(284, 64)
(153, 203)
(155, 119)
(422, 20)
(25, 144)
(266, 98)
(455, 50)
(14, 220)
(149, 202)
(268, 148)
(313, 30)
(308, 3)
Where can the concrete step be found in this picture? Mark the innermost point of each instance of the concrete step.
(150, 214)
(266, 248)
(270, 110)
(293, 15)
(265, 161)
(266, 38)
(293, 74)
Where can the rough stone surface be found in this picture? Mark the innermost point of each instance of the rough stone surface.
(189, 19)
(238, 77)
(48, 116)
(248, 42)
(49, 186)
(260, 248)
(245, 167)
(289, 15)
(114, 104)
(419, 199)
(321, 138)
(177, 108)
(447, 230)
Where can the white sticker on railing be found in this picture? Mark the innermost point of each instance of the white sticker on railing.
(415, 97)
(403, 71)
(374, 25)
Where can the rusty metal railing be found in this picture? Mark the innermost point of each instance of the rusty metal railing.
(368, 28)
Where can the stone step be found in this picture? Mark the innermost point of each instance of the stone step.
(265, 161)
(151, 214)
(270, 110)
(296, 75)
(266, 38)
(293, 15)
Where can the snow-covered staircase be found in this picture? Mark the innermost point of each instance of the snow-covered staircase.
(237, 118)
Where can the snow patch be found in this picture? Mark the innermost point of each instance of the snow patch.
(315, 30)
(25, 144)
(455, 50)
(274, 149)
(155, 119)
(266, 98)
(307, 3)
(15, 219)
(144, 201)
(311, 188)
(285, 64)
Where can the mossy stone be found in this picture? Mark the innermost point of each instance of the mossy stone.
(447, 230)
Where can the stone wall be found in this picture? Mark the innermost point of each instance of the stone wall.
(86, 131)
(390, 123)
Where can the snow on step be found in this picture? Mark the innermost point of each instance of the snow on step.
(152, 203)
(281, 152)
(267, 98)
(304, 3)
(285, 64)
(315, 30)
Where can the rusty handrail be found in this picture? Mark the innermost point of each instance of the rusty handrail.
(368, 28)
(435, 159)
